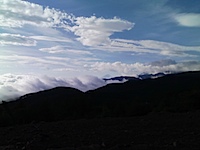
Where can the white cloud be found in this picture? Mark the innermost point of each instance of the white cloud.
(93, 31)
(13, 86)
(17, 13)
(188, 19)
(16, 39)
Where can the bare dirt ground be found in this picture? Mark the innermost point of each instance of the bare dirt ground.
(159, 131)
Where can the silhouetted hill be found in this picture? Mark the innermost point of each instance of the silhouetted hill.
(49, 105)
(141, 76)
(175, 93)
(57, 94)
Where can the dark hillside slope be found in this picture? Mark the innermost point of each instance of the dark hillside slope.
(49, 105)
(54, 95)
(174, 93)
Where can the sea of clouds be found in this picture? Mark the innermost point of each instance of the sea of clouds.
(13, 86)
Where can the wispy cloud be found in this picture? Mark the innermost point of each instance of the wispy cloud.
(52, 39)
(16, 39)
(65, 50)
(23, 61)
(151, 46)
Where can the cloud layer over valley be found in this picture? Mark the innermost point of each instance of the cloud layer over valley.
(13, 86)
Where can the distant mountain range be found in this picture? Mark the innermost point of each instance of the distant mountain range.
(140, 77)
(174, 92)
(151, 76)
(121, 78)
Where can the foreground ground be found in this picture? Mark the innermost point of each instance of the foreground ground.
(153, 131)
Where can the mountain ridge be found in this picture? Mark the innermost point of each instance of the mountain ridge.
(174, 92)
(139, 77)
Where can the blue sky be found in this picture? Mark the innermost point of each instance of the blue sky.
(69, 39)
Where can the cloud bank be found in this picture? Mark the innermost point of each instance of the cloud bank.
(13, 86)
(140, 68)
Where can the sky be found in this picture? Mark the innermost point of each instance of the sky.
(51, 43)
